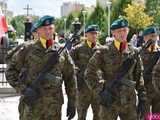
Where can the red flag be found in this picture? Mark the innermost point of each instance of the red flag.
(3, 24)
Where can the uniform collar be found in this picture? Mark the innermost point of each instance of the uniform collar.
(89, 44)
(54, 47)
(117, 45)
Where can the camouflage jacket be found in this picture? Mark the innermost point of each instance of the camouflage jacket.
(156, 77)
(30, 59)
(108, 60)
(81, 55)
(147, 58)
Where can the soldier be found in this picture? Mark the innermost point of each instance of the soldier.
(26, 65)
(81, 55)
(150, 57)
(4, 45)
(111, 60)
(156, 85)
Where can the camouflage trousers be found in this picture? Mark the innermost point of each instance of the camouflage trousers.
(123, 106)
(41, 111)
(85, 98)
(153, 99)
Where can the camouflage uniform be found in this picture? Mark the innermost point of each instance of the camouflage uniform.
(4, 45)
(108, 59)
(81, 55)
(151, 96)
(156, 85)
(30, 59)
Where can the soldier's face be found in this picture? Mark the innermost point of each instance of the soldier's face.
(120, 34)
(46, 32)
(152, 36)
(92, 36)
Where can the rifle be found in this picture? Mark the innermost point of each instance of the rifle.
(32, 93)
(108, 94)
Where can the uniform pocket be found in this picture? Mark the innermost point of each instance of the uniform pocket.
(127, 96)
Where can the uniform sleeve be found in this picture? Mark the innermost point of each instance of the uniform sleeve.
(14, 68)
(69, 78)
(92, 70)
(138, 74)
(74, 55)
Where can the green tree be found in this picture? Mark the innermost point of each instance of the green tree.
(18, 23)
(118, 7)
(153, 9)
(98, 16)
(138, 19)
(59, 22)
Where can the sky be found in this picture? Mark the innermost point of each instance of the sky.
(41, 7)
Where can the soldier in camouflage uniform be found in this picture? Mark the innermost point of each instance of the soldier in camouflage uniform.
(148, 57)
(108, 60)
(27, 62)
(4, 45)
(156, 85)
(81, 55)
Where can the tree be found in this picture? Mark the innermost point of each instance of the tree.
(59, 22)
(153, 9)
(18, 23)
(138, 19)
(98, 16)
(118, 7)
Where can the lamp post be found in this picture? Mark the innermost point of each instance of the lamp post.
(109, 16)
(84, 21)
(65, 20)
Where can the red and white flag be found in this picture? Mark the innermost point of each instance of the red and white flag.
(3, 24)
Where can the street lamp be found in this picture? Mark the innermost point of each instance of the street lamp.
(65, 19)
(84, 21)
(109, 16)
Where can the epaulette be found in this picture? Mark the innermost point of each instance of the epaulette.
(102, 48)
(78, 45)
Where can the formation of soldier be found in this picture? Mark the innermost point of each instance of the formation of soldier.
(107, 77)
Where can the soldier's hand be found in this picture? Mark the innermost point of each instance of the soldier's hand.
(71, 110)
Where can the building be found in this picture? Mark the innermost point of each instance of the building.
(5, 11)
(68, 7)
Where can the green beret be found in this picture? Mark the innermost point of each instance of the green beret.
(34, 26)
(43, 21)
(119, 23)
(92, 28)
(150, 30)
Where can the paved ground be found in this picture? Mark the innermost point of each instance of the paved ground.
(9, 111)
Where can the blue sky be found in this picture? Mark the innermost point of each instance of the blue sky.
(42, 7)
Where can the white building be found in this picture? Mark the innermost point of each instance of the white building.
(68, 7)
